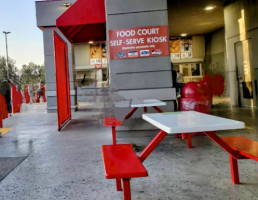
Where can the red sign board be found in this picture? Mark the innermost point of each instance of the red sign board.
(140, 42)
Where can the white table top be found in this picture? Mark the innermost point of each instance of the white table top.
(147, 103)
(190, 122)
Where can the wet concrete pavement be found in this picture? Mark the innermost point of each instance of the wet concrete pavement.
(68, 164)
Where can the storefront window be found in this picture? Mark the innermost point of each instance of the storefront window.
(91, 65)
(191, 71)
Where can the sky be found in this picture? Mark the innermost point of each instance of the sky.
(25, 42)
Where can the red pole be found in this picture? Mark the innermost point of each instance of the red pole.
(114, 134)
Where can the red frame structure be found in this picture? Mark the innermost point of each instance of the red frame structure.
(62, 81)
(130, 114)
(237, 147)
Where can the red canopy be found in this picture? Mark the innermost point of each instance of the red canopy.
(84, 21)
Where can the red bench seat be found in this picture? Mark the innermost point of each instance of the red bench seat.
(244, 146)
(238, 148)
(120, 161)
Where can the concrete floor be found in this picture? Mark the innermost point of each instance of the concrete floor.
(68, 165)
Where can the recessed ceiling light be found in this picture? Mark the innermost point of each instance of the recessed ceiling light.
(210, 7)
(183, 34)
(67, 4)
(90, 42)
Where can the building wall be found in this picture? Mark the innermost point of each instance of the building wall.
(215, 58)
(139, 78)
(48, 11)
(140, 73)
(82, 53)
(198, 46)
(246, 10)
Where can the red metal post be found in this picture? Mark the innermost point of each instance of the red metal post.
(189, 141)
(127, 189)
(183, 136)
(114, 134)
(157, 109)
(234, 170)
(118, 184)
(152, 145)
(130, 113)
(177, 135)
(145, 109)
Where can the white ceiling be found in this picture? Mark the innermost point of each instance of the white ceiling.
(188, 16)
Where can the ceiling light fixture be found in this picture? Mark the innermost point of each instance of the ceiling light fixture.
(208, 8)
(183, 34)
(90, 42)
(67, 4)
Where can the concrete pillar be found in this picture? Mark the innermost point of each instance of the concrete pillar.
(240, 25)
(140, 78)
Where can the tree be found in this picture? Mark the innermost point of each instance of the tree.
(32, 73)
(12, 71)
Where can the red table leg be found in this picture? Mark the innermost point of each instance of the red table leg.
(127, 189)
(118, 184)
(145, 109)
(130, 113)
(152, 145)
(157, 109)
(234, 170)
(189, 140)
(114, 134)
(184, 136)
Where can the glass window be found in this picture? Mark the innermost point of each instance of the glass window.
(191, 71)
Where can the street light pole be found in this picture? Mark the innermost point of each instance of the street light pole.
(7, 67)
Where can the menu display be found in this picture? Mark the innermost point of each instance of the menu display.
(151, 41)
(186, 48)
(180, 48)
(174, 46)
(95, 54)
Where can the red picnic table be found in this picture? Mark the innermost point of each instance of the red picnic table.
(121, 162)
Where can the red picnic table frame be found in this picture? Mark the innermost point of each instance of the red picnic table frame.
(154, 103)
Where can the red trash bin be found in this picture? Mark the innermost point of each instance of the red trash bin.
(195, 96)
